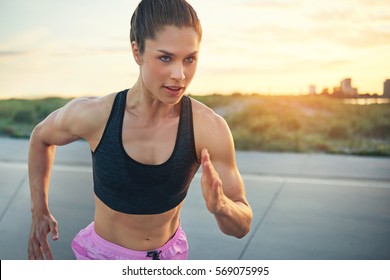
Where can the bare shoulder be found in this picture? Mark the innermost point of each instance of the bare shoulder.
(81, 115)
(206, 117)
(86, 108)
(211, 130)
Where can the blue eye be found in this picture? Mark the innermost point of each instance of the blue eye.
(165, 58)
(190, 59)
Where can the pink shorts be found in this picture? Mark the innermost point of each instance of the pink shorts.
(87, 245)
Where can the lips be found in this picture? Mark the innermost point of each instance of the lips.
(174, 90)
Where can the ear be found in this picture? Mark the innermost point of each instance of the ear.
(136, 53)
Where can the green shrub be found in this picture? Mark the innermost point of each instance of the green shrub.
(24, 116)
(339, 132)
(266, 123)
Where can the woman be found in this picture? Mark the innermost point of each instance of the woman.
(147, 142)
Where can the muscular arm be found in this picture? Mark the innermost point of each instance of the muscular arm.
(222, 186)
(43, 141)
(225, 198)
(61, 127)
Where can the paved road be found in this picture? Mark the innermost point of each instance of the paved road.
(306, 206)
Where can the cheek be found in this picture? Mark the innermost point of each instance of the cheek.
(158, 71)
(152, 73)
(190, 73)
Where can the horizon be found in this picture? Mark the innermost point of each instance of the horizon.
(364, 96)
(76, 48)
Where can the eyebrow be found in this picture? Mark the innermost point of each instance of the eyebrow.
(171, 54)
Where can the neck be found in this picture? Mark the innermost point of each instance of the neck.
(141, 103)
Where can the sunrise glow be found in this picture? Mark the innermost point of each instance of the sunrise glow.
(73, 48)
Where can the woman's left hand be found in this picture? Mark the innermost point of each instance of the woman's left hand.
(212, 186)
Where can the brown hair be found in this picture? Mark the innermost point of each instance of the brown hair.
(152, 16)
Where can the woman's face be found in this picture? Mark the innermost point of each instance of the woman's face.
(169, 62)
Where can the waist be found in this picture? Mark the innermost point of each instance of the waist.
(135, 232)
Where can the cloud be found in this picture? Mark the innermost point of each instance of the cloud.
(352, 24)
(379, 17)
(23, 43)
(381, 3)
(352, 36)
(90, 51)
(41, 42)
(334, 15)
(360, 15)
(66, 52)
(6, 53)
(271, 67)
(270, 4)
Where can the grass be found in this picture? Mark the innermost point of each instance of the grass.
(306, 124)
(19, 116)
(264, 123)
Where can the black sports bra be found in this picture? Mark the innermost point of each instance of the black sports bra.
(131, 187)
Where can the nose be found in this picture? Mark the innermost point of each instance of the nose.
(177, 72)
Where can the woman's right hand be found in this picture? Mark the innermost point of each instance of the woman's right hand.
(38, 245)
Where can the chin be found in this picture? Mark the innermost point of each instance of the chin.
(172, 100)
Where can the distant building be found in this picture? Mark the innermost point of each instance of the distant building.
(346, 85)
(346, 88)
(386, 88)
(312, 90)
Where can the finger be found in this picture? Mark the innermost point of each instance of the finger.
(204, 155)
(207, 166)
(45, 249)
(37, 252)
(215, 190)
(54, 231)
(31, 252)
(217, 184)
(34, 248)
(215, 199)
(207, 175)
(47, 252)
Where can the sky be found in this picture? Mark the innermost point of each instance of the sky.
(74, 48)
